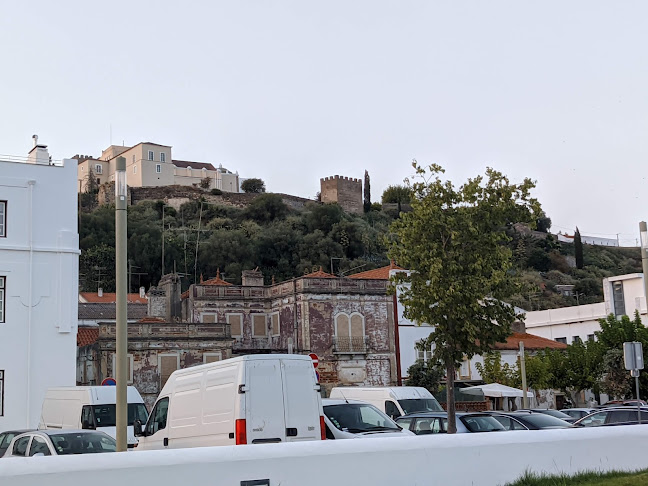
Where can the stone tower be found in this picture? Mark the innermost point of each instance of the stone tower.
(345, 191)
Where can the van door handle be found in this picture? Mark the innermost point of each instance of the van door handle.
(166, 442)
(291, 432)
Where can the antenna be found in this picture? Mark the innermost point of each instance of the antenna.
(111, 134)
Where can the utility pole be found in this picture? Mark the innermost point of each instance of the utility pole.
(121, 297)
(525, 398)
(162, 274)
(643, 233)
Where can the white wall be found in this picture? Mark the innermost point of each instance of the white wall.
(38, 337)
(493, 459)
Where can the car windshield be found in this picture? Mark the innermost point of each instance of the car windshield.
(481, 423)
(358, 418)
(105, 415)
(544, 421)
(414, 405)
(82, 443)
(5, 439)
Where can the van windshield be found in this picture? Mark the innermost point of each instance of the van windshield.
(412, 405)
(106, 415)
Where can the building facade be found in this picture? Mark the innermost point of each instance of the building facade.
(347, 323)
(39, 274)
(151, 165)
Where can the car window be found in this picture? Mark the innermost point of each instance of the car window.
(404, 423)
(39, 446)
(5, 439)
(481, 423)
(158, 418)
(414, 405)
(617, 416)
(594, 420)
(542, 420)
(82, 443)
(358, 417)
(329, 434)
(20, 446)
(506, 422)
(391, 409)
(515, 425)
(428, 425)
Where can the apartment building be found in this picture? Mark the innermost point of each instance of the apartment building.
(151, 165)
(39, 271)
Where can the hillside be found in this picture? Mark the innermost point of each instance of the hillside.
(202, 237)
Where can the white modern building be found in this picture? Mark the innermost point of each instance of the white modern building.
(39, 272)
(623, 295)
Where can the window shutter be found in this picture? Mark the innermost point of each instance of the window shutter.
(259, 325)
(275, 325)
(168, 364)
(234, 321)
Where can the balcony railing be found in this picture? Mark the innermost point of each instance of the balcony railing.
(350, 345)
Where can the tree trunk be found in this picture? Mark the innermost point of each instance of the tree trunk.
(452, 420)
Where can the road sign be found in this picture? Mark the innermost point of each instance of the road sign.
(109, 382)
(318, 377)
(633, 356)
(315, 359)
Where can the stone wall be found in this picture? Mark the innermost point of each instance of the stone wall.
(345, 191)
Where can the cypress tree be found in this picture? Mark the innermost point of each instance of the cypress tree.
(578, 249)
(367, 193)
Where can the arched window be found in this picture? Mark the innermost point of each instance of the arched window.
(350, 333)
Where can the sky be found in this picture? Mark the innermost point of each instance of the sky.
(293, 91)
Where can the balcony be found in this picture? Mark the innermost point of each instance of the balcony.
(350, 345)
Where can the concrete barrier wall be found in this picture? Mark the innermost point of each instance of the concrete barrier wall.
(466, 459)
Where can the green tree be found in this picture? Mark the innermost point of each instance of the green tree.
(454, 243)
(266, 208)
(425, 374)
(367, 192)
(578, 249)
(253, 185)
(493, 371)
(397, 195)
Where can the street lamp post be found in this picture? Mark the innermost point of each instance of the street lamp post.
(643, 231)
(121, 275)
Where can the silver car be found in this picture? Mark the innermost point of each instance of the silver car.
(60, 443)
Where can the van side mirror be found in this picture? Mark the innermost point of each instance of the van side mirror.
(137, 428)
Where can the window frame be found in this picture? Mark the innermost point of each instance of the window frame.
(265, 326)
(274, 315)
(2, 389)
(227, 319)
(151, 155)
(212, 353)
(3, 218)
(162, 157)
(159, 358)
(562, 340)
(98, 169)
(131, 362)
(158, 168)
(151, 420)
(3, 299)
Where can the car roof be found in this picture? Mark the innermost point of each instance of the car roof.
(17, 431)
(440, 414)
(61, 431)
(341, 401)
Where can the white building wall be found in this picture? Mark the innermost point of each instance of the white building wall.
(39, 259)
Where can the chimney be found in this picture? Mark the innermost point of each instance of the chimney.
(252, 278)
(142, 292)
(519, 326)
(35, 138)
(38, 154)
(100, 292)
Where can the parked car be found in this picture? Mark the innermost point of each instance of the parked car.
(254, 399)
(553, 413)
(528, 420)
(393, 400)
(90, 407)
(577, 413)
(622, 415)
(436, 422)
(6, 438)
(60, 443)
(353, 419)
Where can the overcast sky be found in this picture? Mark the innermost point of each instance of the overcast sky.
(291, 91)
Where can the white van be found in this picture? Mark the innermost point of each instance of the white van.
(90, 407)
(393, 400)
(252, 399)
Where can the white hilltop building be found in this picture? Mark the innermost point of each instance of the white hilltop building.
(39, 273)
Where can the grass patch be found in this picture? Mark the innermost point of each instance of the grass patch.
(639, 478)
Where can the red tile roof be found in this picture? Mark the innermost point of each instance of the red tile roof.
(381, 273)
(193, 165)
(87, 335)
(109, 297)
(319, 274)
(531, 341)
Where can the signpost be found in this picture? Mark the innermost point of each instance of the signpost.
(633, 359)
(109, 382)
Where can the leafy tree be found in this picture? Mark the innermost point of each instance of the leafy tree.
(397, 194)
(543, 223)
(205, 182)
(367, 193)
(266, 208)
(322, 217)
(578, 249)
(253, 185)
(493, 371)
(425, 374)
(454, 243)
